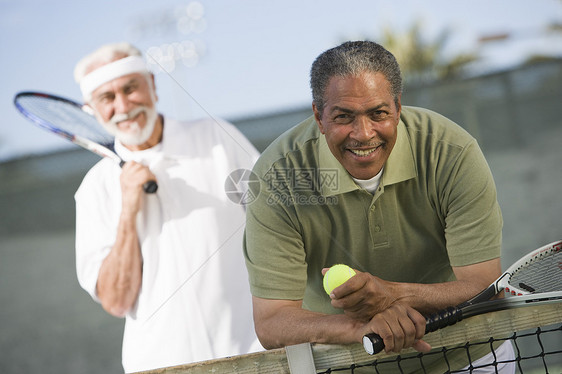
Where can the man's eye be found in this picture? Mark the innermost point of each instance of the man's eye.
(343, 117)
(129, 90)
(104, 99)
(379, 115)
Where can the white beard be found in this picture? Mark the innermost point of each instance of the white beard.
(135, 135)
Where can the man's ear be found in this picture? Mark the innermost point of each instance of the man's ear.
(318, 117)
(153, 82)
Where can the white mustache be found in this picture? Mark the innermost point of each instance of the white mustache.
(120, 117)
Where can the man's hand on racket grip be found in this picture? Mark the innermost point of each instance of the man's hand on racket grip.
(133, 177)
(400, 326)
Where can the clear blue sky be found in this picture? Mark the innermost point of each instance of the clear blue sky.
(257, 53)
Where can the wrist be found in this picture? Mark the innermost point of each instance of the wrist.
(341, 329)
(128, 220)
(130, 206)
(402, 293)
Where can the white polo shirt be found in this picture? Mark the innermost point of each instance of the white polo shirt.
(194, 303)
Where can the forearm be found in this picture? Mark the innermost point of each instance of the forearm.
(429, 298)
(288, 324)
(281, 323)
(120, 275)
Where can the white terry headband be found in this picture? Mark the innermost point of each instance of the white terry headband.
(108, 72)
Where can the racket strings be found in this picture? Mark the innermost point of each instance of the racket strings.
(541, 274)
(64, 116)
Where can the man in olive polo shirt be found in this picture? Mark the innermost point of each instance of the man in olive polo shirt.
(401, 194)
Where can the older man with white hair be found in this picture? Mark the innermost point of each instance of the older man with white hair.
(169, 262)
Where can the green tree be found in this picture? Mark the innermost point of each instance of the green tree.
(424, 61)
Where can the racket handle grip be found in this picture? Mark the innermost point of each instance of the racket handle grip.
(150, 187)
(374, 344)
(444, 318)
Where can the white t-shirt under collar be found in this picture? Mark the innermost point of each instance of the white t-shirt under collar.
(372, 184)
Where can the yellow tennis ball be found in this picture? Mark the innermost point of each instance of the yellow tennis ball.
(336, 276)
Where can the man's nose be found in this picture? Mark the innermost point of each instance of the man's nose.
(121, 104)
(363, 129)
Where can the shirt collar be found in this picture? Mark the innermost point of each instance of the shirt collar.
(399, 167)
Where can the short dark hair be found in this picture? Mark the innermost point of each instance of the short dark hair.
(353, 58)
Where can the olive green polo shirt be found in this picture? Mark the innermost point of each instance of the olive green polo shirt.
(435, 208)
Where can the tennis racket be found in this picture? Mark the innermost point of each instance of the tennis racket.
(534, 278)
(67, 119)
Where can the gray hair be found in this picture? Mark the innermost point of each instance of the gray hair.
(353, 58)
(103, 55)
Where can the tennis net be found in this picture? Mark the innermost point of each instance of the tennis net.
(535, 332)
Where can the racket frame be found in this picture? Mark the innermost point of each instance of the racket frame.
(503, 282)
